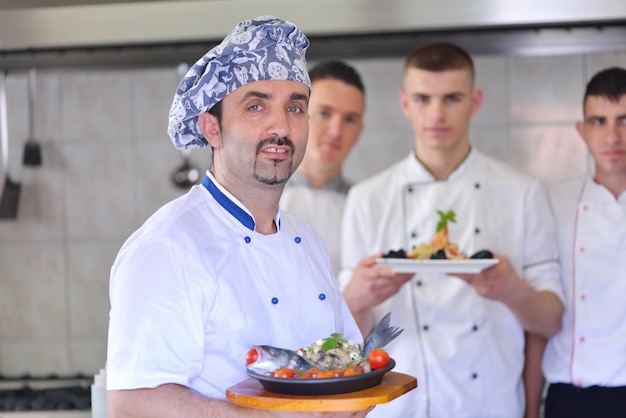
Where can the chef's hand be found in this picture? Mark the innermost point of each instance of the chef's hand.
(370, 285)
(498, 282)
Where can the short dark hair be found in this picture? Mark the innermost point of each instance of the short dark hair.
(337, 70)
(216, 111)
(438, 57)
(609, 83)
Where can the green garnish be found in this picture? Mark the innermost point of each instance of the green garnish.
(333, 341)
(444, 218)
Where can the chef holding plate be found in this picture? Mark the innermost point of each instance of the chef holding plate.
(464, 335)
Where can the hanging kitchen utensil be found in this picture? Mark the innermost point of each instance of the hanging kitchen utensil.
(32, 150)
(9, 201)
(186, 175)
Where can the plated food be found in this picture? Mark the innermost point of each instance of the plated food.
(440, 248)
(326, 362)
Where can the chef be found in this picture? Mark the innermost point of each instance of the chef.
(585, 363)
(221, 269)
(464, 335)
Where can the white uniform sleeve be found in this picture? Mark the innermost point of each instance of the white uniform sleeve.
(541, 267)
(152, 293)
(354, 238)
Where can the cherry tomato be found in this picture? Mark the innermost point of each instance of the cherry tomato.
(304, 374)
(378, 358)
(353, 370)
(338, 371)
(325, 374)
(251, 356)
(287, 373)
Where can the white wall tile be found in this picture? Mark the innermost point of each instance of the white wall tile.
(34, 358)
(98, 189)
(549, 153)
(491, 77)
(96, 106)
(89, 265)
(33, 293)
(545, 89)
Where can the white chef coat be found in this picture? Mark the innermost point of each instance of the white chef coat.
(195, 287)
(590, 349)
(322, 208)
(466, 352)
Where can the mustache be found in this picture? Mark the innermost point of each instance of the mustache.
(284, 141)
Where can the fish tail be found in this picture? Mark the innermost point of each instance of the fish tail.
(382, 334)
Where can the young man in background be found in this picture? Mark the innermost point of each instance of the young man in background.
(464, 335)
(585, 363)
(317, 191)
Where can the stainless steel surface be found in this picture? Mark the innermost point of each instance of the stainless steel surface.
(50, 396)
(184, 21)
(47, 414)
(153, 32)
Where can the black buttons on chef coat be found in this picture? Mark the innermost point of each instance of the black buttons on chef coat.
(475, 328)
(425, 327)
(409, 189)
(418, 283)
(298, 240)
(474, 375)
(477, 186)
(476, 230)
(247, 240)
(274, 301)
(322, 296)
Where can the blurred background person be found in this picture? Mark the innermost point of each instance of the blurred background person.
(585, 363)
(317, 191)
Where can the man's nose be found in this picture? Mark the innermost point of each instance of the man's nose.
(279, 125)
(335, 127)
(616, 132)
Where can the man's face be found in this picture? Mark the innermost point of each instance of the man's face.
(439, 106)
(335, 123)
(264, 132)
(604, 132)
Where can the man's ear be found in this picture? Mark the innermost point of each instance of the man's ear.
(210, 128)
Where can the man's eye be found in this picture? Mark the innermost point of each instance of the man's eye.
(453, 99)
(295, 109)
(255, 107)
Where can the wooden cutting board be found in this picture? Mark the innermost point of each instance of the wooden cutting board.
(250, 393)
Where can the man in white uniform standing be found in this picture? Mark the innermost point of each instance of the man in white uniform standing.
(585, 363)
(221, 268)
(317, 191)
(464, 335)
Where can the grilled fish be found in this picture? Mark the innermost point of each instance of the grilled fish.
(323, 354)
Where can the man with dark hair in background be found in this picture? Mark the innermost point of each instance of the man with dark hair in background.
(585, 363)
(317, 191)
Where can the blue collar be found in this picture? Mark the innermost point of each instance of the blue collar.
(232, 208)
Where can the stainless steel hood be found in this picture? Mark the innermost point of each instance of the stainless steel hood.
(82, 32)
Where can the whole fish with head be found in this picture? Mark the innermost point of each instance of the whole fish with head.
(324, 354)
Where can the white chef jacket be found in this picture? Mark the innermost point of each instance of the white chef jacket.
(322, 208)
(466, 352)
(590, 349)
(195, 287)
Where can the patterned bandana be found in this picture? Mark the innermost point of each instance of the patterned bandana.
(265, 48)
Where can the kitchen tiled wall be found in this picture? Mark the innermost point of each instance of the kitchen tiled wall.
(107, 163)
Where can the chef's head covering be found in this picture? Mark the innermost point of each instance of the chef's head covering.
(264, 48)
